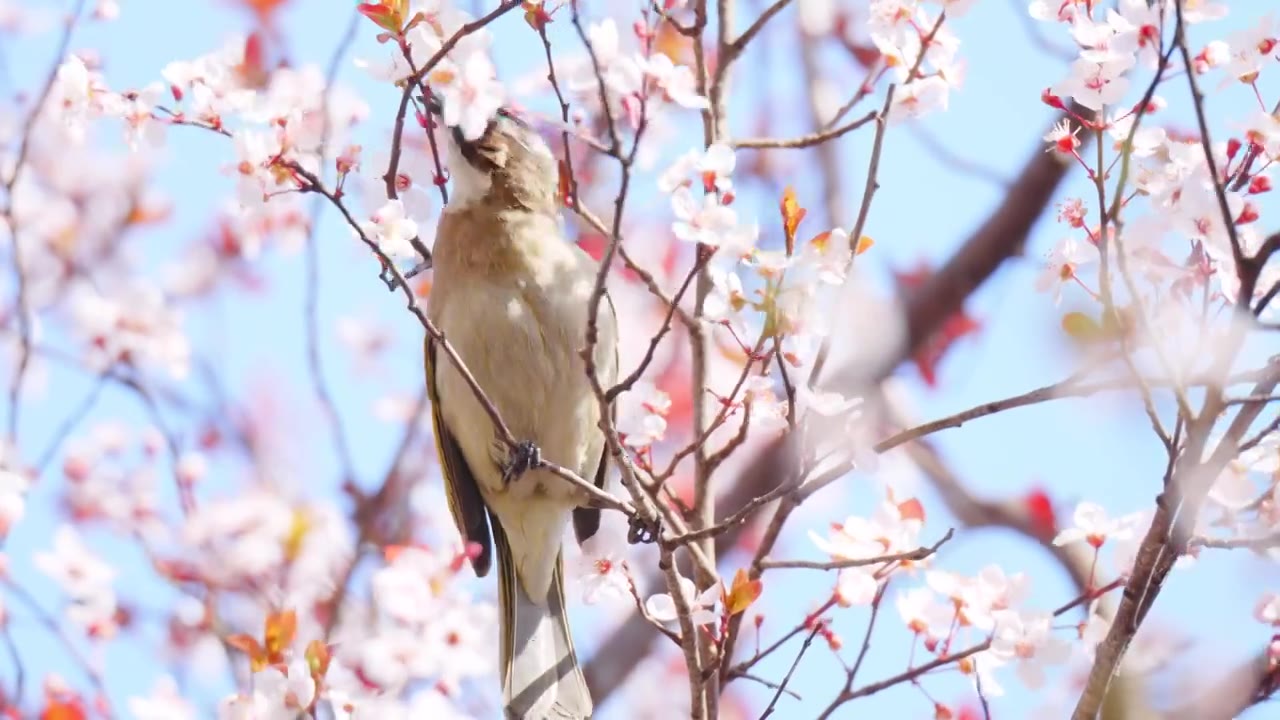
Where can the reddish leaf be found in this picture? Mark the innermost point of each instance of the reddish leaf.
(958, 325)
(594, 244)
(278, 633)
(742, 593)
(536, 15)
(792, 214)
(264, 11)
(63, 710)
(865, 55)
(1040, 513)
(422, 288)
(911, 509)
(566, 184)
(143, 214)
(318, 656)
(386, 14)
(668, 41)
(249, 646)
(252, 71)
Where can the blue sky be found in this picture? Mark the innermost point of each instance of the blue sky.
(1099, 449)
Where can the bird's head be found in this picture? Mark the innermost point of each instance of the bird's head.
(508, 166)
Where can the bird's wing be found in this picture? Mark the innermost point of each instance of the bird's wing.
(465, 503)
(586, 521)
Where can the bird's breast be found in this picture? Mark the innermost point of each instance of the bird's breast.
(521, 344)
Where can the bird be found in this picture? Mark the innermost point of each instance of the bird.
(512, 297)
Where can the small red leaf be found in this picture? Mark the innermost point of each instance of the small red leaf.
(742, 593)
(792, 214)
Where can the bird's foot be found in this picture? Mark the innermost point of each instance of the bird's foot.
(522, 458)
(642, 531)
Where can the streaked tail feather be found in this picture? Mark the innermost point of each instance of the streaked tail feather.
(541, 678)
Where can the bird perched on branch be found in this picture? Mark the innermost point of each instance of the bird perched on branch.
(513, 297)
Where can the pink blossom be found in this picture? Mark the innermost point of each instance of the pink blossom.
(1062, 263)
(13, 491)
(856, 586)
(286, 690)
(924, 613)
(76, 96)
(1268, 609)
(920, 98)
(85, 578)
(134, 324)
(164, 703)
(642, 414)
(676, 80)
(392, 229)
(602, 567)
(707, 222)
(712, 169)
(1095, 84)
(662, 607)
(472, 97)
(1092, 525)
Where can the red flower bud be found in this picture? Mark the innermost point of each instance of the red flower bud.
(1048, 98)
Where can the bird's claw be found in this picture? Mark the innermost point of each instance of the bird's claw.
(522, 458)
(642, 531)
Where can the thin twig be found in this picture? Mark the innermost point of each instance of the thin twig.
(1257, 544)
(919, 553)
(908, 675)
(366, 511)
(792, 671)
(876, 604)
(15, 243)
(19, 669)
(311, 298)
(71, 421)
(50, 623)
(634, 376)
(741, 669)
(804, 141)
(738, 45)
(1206, 142)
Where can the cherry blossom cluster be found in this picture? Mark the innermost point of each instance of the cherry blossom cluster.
(631, 79)
(1168, 253)
(1183, 247)
(231, 553)
(779, 301)
(977, 622)
(1184, 253)
(919, 52)
(1246, 494)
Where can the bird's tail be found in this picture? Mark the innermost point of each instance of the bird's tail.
(541, 678)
